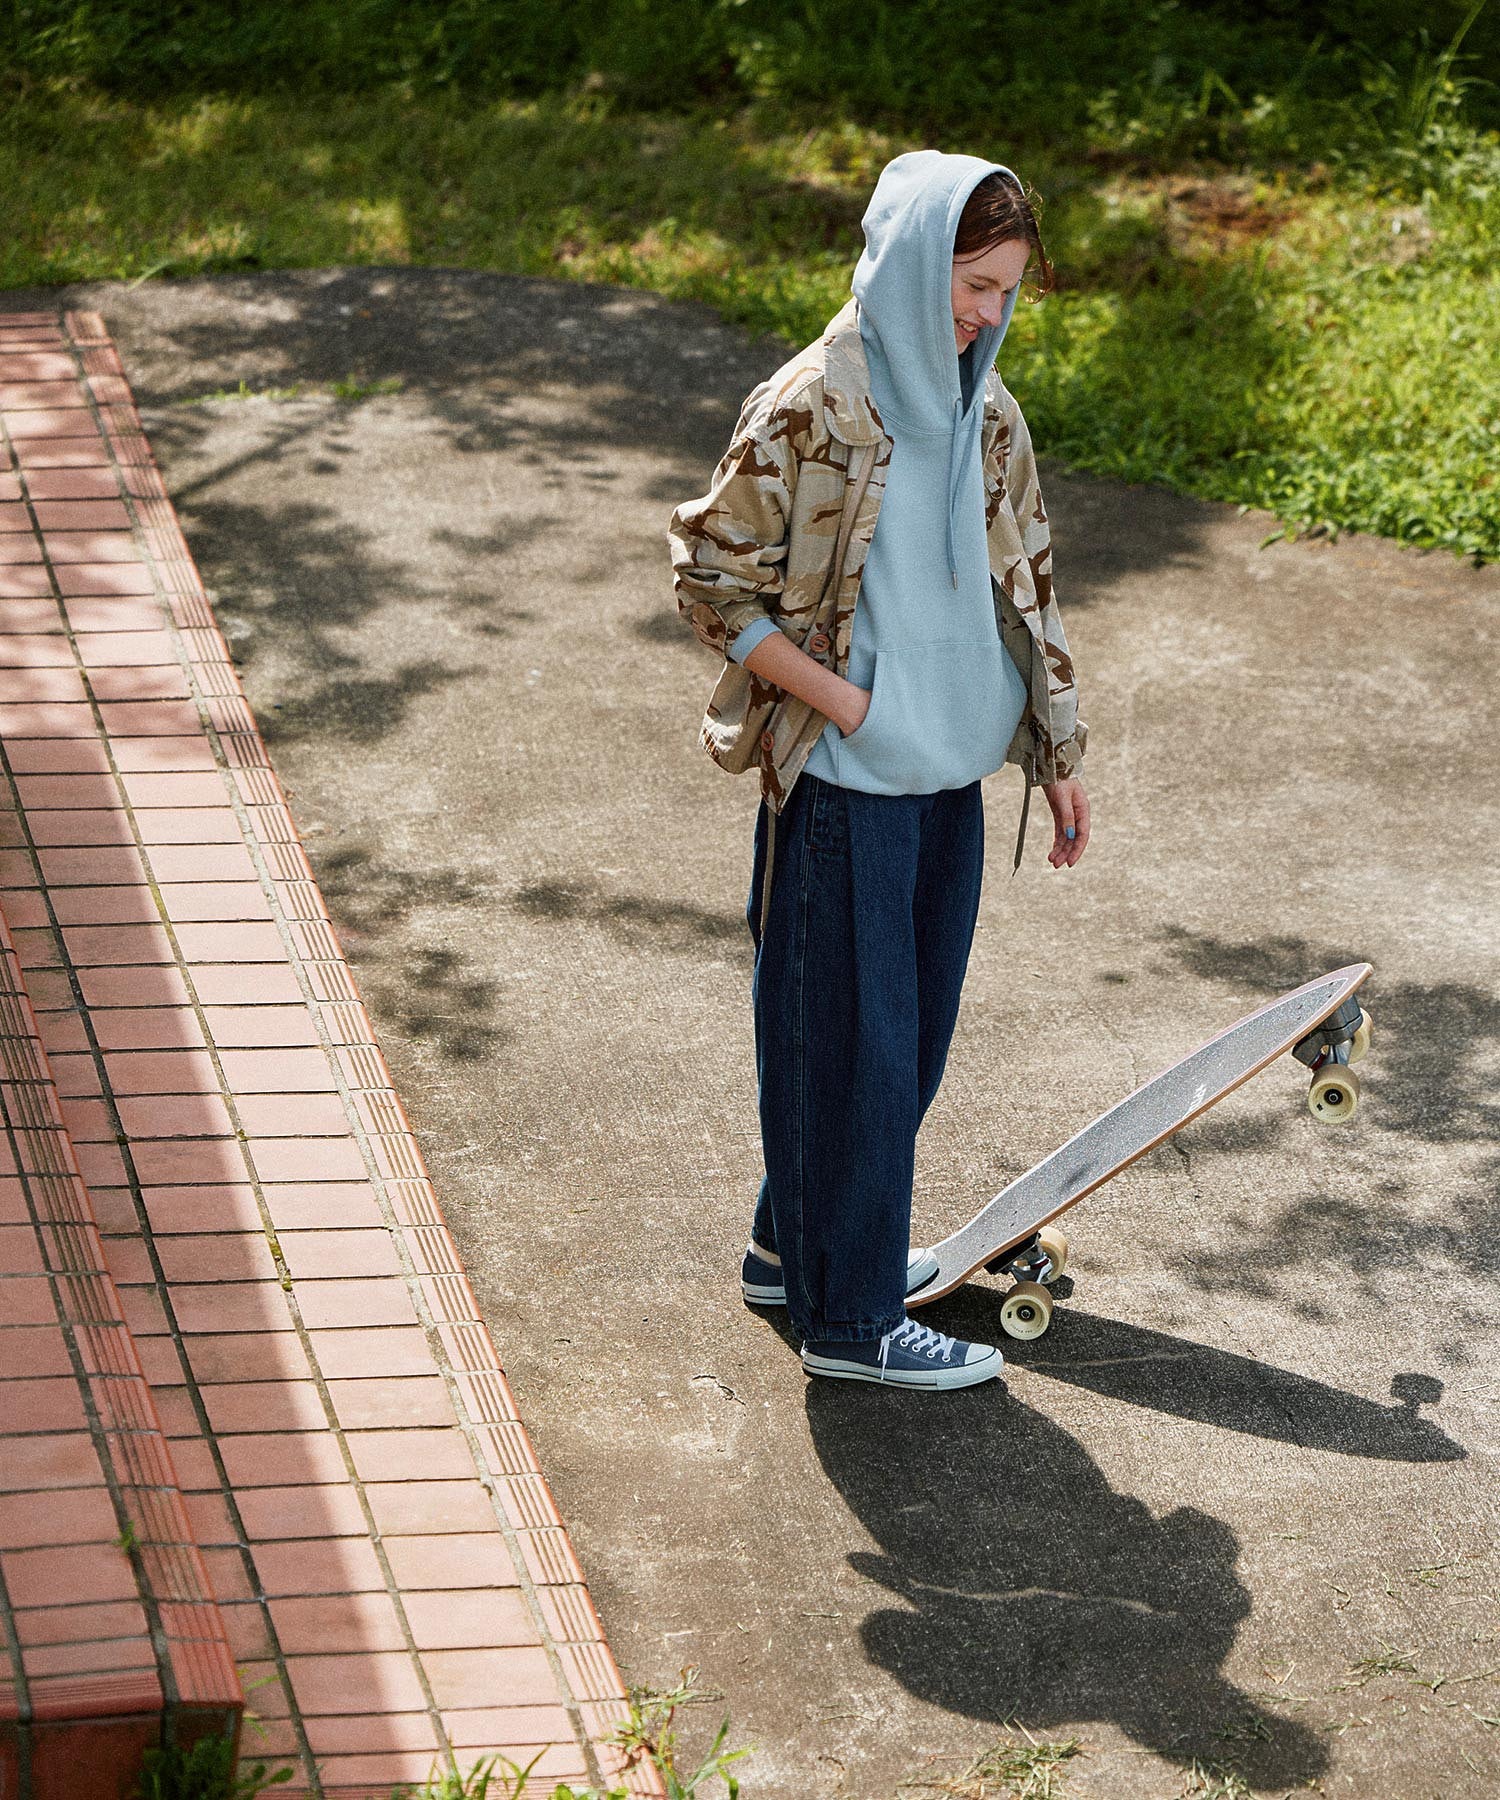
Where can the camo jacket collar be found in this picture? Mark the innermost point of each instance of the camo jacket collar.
(848, 408)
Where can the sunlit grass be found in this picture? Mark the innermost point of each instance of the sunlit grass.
(1262, 336)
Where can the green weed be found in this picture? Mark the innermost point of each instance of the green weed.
(1387, 1660)
(648, 1736)
(1029, 1770)
(1251, 1728)
(204, 1771)
(488, 1780)
(1214, 1781)
(352, 389)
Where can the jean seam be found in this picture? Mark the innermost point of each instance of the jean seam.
(799, 1083)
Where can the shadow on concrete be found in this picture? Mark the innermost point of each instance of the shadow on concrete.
(1433, 1040)
(300, 580)
(1238, 1393)
(1029, 1590)
(1426, 1079)
(431, 992)
(556, 377)
(665, 924)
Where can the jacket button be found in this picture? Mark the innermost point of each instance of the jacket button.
(820, 641)
(767, 740)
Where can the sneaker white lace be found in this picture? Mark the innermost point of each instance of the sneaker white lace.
(917, 1340)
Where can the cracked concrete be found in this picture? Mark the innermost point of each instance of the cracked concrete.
(1261, 1438)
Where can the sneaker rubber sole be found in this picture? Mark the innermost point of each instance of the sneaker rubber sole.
(985, 1368)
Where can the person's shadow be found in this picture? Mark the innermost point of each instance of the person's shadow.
(1025, 1587)
(1237, 1393)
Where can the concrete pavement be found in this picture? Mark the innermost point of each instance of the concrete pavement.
(1237, 1509)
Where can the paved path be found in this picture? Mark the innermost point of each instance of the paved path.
(237, 1185)
(1254, 1461)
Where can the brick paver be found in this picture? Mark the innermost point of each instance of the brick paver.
(97, 1560)
(394, 1580)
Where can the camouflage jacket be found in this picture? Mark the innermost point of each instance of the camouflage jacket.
(783, 532)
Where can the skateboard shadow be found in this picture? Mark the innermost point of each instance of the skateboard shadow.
(1025, 1588)
(1218, 1387)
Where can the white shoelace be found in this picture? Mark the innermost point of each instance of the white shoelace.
(921, 1340)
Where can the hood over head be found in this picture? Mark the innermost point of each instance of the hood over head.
(903, 283)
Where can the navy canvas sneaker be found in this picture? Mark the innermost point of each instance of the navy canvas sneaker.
(760, 1275)
(911, 1356)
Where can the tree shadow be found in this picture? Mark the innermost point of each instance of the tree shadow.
(1427, 1082)
(304, 583)
(667, 924)
(429, 992)
(1027, 1588)
(1236, 1393)
(476, 357)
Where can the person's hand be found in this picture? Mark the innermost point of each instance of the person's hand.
(1070, 813)
(852, 714)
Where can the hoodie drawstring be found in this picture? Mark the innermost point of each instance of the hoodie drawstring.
(958, 411)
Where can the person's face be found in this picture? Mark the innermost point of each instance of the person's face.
(981, 285)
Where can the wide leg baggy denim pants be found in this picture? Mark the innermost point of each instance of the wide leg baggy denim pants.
(856, 989)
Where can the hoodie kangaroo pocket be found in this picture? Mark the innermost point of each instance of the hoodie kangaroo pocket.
(859, 731)
(941, 715)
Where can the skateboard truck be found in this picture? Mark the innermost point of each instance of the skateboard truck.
(1034, 1264)
(1328, 1050)
(1027, 1261)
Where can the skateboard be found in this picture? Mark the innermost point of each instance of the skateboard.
(1323, 1026)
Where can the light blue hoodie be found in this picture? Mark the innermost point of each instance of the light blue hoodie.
(946, 697)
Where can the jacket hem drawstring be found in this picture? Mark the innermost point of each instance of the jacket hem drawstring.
(766, 873)
(1025, 814)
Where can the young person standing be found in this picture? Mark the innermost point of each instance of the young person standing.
(873, 562)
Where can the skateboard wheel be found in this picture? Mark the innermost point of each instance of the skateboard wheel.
(1359, 1044)
(1055, 1243)
(1334, 1095)
(1026, 1311)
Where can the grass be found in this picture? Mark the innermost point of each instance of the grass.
(1025, 1769)
(1214, 1781)
(1311, 338)
(351, 389)
(205, 1770)
(648, 1736)
(1387, 1660)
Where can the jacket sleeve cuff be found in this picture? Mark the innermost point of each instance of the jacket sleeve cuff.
(1068, 757)
(756, 632)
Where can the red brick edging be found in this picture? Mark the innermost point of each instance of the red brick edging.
(105, 1614)
(393, 1576)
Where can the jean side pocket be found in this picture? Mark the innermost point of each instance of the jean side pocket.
(827, 824)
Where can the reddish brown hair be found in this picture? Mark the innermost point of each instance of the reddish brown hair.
(998, 212)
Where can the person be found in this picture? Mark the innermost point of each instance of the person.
(872, 561)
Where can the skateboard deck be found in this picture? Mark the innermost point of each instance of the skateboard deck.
(1320, 1022)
